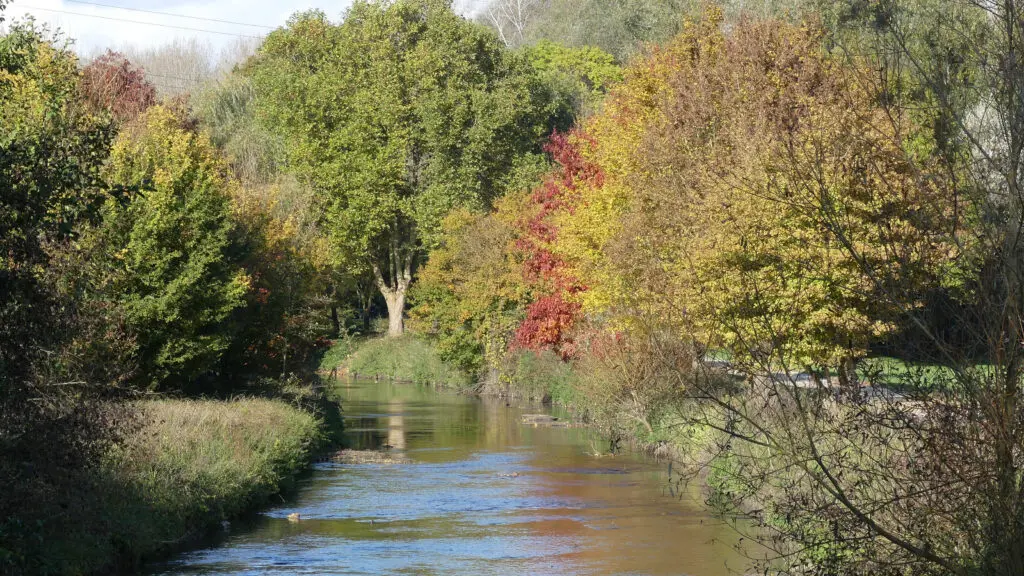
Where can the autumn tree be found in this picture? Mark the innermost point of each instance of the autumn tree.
(396, 116)
(738, 236)
(111, 82)
(471, 293)
(798, 213)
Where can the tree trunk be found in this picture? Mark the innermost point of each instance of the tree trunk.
(396, 307)
(848, 373)
(335, 322)
(393, 289)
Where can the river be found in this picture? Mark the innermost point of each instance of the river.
(484, 494)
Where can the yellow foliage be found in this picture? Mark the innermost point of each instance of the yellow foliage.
(754, 197)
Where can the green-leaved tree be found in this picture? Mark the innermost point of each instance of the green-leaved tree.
(166, 254)
(396, 116)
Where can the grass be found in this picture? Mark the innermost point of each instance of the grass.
(189, 465)
(530, 375)
(336, 355)
(406, 358)
(900, 374)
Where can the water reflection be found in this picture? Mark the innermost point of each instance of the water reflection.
(485, 495)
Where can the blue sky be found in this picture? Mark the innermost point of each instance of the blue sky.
(97, 27)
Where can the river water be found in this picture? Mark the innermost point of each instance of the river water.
(484, 494)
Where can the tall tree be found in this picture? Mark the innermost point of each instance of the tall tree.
(51, 152)
(396, 116)
(164, 257)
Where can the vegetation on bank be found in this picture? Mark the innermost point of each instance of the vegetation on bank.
(798, 187)
(408, 358)
(186, 466)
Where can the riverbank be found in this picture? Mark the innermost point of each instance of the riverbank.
(184, 468)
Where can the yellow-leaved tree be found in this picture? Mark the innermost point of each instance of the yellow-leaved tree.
(756, 199)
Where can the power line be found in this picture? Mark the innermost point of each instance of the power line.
(189, 80)
(169, 14)
(143, 22)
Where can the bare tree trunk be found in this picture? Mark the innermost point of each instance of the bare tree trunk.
(394, 291)
(396, 306)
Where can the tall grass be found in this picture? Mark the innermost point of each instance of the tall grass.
(189, 465)
(338, 353)
(405, 358)
(533, 376)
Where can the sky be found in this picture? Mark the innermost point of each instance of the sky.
(95, 27)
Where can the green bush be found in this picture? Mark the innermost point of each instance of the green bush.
(405, 358)
(539, 376)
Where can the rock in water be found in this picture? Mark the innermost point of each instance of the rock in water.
(538, 419)
(368, 457)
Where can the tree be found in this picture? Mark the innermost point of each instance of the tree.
(855, 480)
(227, 110)
(621, 28)
(166, 254)
(555, 290)
(52, 149)
(471, 294)
(511, 18)
(111, 82)
(285, 257)
(740, 235)
(396, 116)
(580, 76)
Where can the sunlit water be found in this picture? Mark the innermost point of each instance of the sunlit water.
(459, 508)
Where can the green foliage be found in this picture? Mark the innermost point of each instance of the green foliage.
(618, 27)
(226, 110)
(51, 151)
(396, 116)
(581, 75)
(165, 253)
(335, 356)
(537, 376)
(408, 358)
(470, 296)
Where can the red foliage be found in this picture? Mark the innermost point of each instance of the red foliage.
(111, 82)
(548, 319)
(552, 314)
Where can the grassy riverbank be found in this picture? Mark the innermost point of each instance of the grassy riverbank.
(186, 466)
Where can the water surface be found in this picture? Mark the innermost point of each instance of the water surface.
(485, 494)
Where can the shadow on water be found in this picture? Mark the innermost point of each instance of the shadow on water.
(484, 494)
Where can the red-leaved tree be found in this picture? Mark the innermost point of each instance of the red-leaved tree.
(552, 314)
(111, 82)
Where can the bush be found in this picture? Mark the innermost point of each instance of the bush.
(529, 375)
(625, 383)
(405, 358)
